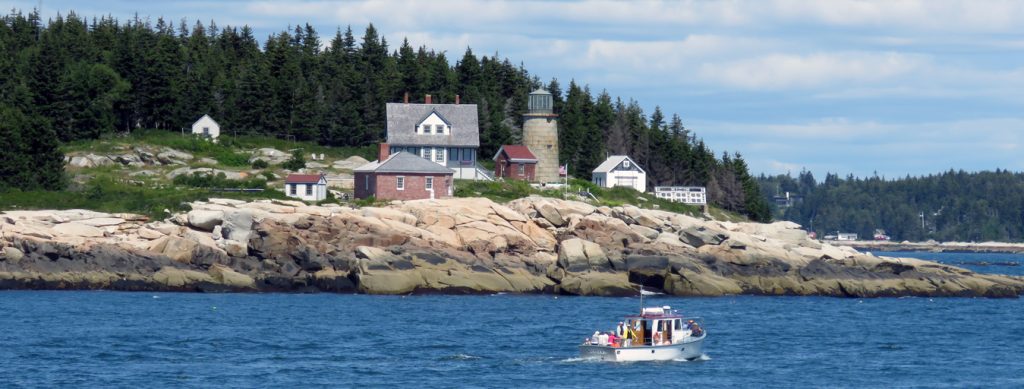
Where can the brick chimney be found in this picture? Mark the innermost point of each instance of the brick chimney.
(426, 100)
(384, 152)
(457, 100)
(406, 100)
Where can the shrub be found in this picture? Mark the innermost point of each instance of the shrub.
(229, 157)
(260, 164)
(297, 162)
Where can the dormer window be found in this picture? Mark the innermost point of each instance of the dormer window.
(426, 128)
(625, 164)
(439, 129)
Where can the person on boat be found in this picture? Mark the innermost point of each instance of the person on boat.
(694, 328)
(612, 338)
(620, 331)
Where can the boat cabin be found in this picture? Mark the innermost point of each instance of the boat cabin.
(657, 326)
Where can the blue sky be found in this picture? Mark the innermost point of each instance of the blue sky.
(843, 86)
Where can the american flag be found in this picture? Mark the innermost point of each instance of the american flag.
(562, 171)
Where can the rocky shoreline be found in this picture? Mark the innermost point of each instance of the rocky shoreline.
(936, 247)
(454, 246)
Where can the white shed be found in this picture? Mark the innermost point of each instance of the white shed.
(206, 127)
(307, 187)
(620, 170)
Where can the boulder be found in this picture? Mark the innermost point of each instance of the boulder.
(77, 229)
(171, 156)
(644, 231)
(235, 248)
(11, 254)
(149, 233)
(596, 284)
(237, 225)
(180, 278)
(224, 275)
(102, 221)
(549, 213)
(174, 247)
(578, 255)
(700, 236)
(270, 155)
(205, 220)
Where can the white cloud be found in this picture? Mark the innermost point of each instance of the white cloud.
(783, 71)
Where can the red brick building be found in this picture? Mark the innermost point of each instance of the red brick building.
(515, 162)
(402, 176)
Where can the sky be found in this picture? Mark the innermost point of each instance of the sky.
(892, 87)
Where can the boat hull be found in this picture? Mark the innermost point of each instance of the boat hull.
(687, 350)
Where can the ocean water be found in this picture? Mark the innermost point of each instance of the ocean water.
(118, 339)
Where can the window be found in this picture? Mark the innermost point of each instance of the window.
(439, 129)
(206, 131)
(430, 183)
(522, 169)
(291, 189)
(428, 153)
(309, 189)
(625, 164)
(439, 155)
(453, 154)
(400, 183)
(426, 128)
(366, 182)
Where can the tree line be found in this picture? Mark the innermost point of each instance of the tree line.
(951, 206)
(73, 78)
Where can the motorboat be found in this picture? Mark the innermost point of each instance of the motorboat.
(656, 334)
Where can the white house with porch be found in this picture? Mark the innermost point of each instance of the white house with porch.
(620, 170)
(206, 127)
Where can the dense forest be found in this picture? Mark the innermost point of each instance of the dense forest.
(72, 79)
(952, 206)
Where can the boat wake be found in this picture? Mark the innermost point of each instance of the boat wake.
(459, 357)
(702, 357)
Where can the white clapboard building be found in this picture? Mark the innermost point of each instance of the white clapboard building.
(206, 127)
(696, 195)
(620, 170)
(306, 187)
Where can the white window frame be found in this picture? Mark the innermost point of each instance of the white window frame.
(425, 128)
(625, 164)
(439, 155)
(439, 128)
(400, 182)
(429, 183)
(428, 153)
(291, 189)
(309, 189)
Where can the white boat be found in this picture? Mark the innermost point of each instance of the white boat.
(656, 334)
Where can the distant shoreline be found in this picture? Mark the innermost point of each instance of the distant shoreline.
(932, 246)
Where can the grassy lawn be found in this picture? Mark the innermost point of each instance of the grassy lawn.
(110, 195)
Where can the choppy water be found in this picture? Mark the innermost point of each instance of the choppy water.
(101, 339)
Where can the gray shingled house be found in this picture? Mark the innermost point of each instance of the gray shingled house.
(447, 134)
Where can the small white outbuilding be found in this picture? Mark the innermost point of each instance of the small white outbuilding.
(206, 127)
(306, 187)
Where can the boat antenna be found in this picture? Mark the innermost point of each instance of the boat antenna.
(641, 299)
